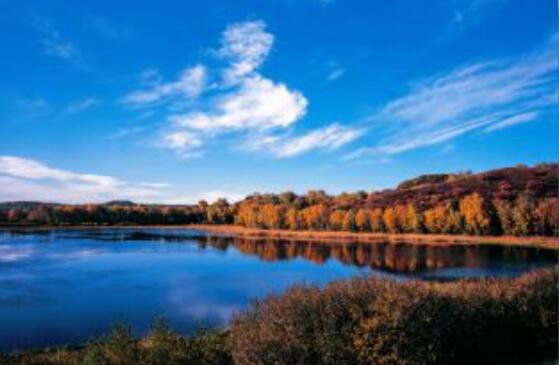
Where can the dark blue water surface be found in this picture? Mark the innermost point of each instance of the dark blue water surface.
(66, 286)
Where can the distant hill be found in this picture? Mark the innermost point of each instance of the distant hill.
(23, 205)
(121, 203)
(425, 191)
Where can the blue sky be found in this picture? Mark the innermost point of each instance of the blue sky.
(174, 101)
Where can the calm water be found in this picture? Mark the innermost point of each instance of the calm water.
(63, 286)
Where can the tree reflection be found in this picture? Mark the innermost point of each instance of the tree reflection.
(389, 256)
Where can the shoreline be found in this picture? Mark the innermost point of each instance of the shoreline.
(372, 237)
(329, 236)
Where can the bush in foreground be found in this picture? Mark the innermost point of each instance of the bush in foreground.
(372, 321)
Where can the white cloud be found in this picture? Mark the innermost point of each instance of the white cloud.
(186, 143)
(244, 101)
(259, 103)
(245, 45)
(239, 101)
(81, 105)
(330, 137)
(26, 179)
(484, 94)
(190, 84)
(508, 122)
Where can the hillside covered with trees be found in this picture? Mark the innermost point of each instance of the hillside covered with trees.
(519, 201)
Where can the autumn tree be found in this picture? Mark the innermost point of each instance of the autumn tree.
(349, 221)
(376, 220)
(412, 220)
(546, 217)
(219, 212)
(474, 213)
(442, 219)
(432, 220)
(523, 215)
(453, 221)
(287, 198)
(316, 197)
(336, 219)
(247, 214)
(292, 220)
(362, 220)
(316, 216)
(270, 216)
(390, 219)
(504, 213)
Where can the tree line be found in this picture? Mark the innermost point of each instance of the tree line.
(519, 201)
(472, 214)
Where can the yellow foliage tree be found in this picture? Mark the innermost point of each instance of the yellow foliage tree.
(476, 219)
(362, 220)
(336, 219)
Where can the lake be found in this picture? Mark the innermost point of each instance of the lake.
(66, 286)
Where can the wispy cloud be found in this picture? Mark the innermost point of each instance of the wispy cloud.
(53, 43)
(240, 100)
(335, 74)
(245, 46)
(190, 84)
(329, 137)
(27, 179)
(127, 132)
(514, 120)
(492, 94)
(81, 105)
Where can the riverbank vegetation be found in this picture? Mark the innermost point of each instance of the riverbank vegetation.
(356, 321)
(519, 201)
(412, 239)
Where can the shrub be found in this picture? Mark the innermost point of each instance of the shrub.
(373, 321)
(304, 326)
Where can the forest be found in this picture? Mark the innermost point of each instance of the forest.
(519, 201)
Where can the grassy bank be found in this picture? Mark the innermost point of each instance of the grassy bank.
(357, 321)
(424, 239)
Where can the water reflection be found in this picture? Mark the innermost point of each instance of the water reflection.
(399, 257)
(386, 256)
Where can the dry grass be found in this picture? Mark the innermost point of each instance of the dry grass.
(424, 239)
